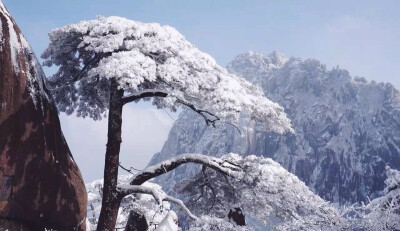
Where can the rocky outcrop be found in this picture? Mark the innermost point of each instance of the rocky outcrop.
(347, 129)
(40, 183)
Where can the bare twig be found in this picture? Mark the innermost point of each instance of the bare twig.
(204, 113)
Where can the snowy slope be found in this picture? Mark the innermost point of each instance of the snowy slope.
(347, 129)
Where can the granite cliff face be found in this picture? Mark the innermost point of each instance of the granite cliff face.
(40, 183)
(347, 129)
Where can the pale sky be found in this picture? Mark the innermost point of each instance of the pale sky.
(360, 36)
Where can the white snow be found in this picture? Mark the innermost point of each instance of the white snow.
(1, 36)
(141, 203)
(169, 223)
(15, 45)
(263, 189)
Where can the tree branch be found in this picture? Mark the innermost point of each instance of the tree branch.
(181, 204)
(144, 94)
(210, 118)
(169, 165)
(130, 169)
(159, 195)
(203, 113)
(162, 93)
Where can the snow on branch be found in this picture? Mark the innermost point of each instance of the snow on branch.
(144, 94)
(158, 195)
(217, 164)
(134, 185)
(149, 61)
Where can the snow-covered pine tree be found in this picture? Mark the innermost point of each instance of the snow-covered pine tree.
(108, 62)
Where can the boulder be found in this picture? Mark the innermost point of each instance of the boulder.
(136, 222)
(41, 186)
(237, 216)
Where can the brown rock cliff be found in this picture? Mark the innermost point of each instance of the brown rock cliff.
(40, 183)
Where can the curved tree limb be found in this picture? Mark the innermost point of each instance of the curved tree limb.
(158, 195)
(168, 165)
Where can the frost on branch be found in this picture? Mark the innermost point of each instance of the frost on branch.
(152, 59)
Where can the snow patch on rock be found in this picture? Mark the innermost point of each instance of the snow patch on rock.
(20, 48)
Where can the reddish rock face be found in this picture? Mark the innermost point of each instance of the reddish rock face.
(40, 183)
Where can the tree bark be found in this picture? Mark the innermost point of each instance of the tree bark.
(111, 199)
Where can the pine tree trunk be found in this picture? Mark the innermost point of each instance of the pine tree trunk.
(111, 201)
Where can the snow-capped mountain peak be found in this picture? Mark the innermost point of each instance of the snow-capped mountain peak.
(254, 66)
(276, 58)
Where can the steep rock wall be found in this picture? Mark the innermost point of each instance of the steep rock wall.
(40, 183)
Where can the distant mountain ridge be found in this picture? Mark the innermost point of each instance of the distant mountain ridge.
(347, 129)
